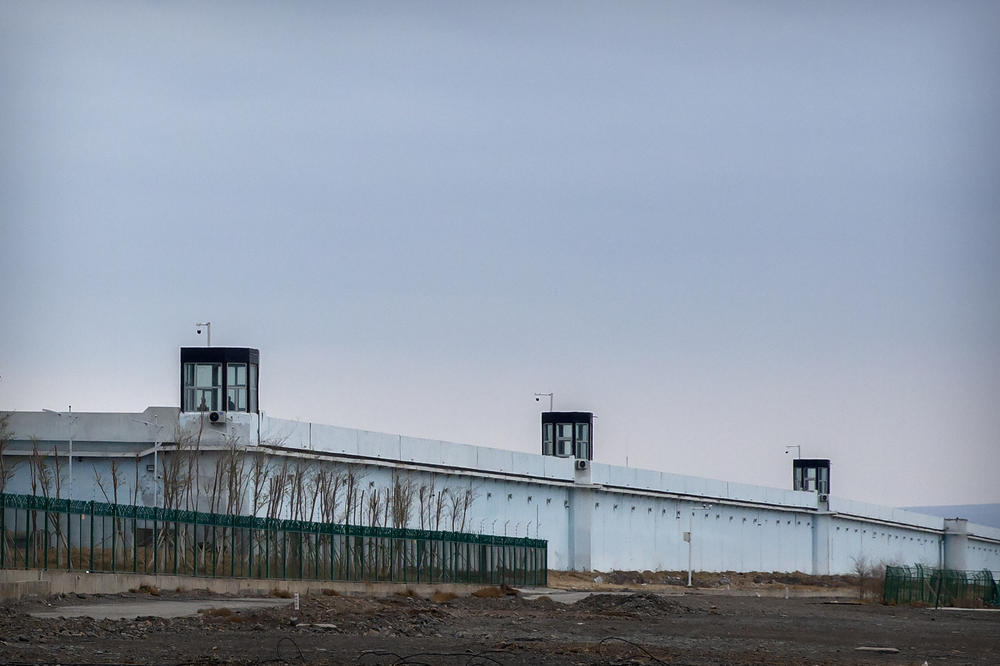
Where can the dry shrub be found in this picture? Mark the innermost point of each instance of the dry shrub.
(491, 592)
(149, 589)
(180, 589)
(330, 592)
(440, 597)
(408, 592)
(281, 594)
(215, 612)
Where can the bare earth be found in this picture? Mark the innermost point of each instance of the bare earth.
(620, 623)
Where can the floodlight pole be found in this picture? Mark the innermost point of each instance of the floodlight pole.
(798, 450)
(690, 539)
(690, 529)
(156, 447)
(70, 419)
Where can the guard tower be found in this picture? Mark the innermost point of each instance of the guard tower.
(219, 379)
(568, 435)
(811, 474)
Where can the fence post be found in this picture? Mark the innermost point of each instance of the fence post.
(27, 536)
(3, 531)
(176, 539)
(69, 536)
(232, 548)
(135, 544)
(156, 540)
(194, 549)
(45, 540)
(91, 535)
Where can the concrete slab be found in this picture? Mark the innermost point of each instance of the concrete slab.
(129, 610)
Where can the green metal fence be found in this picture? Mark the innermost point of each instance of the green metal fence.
(45, 533)
(940, 587)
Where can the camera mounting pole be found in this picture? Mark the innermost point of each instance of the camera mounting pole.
(208, 331)
(539, 396)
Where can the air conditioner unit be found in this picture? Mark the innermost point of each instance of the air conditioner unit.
(217, 418)
(823, 497)
(582, 464)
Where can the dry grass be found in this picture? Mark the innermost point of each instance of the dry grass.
(215, 612)
(494, 592)
(223, 614)
(281, 594)
(330, 592)
(408, 592)
(440, 597)
(149, 589)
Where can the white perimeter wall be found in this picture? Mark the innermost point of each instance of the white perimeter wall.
(605, 518)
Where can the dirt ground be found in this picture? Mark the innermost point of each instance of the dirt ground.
(638, 620)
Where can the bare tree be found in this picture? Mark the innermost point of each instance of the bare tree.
(351, 495)
(459, 501)
(425, 497)
(41, 475)
(7, 470)
(403, 491)
(329, 483)
(375, 500)
(118, 533)
(258, 481)
(440, 504)
(862, 568)
(277, 485)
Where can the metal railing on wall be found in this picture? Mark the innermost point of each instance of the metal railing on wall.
(940, 587)
(46, 533)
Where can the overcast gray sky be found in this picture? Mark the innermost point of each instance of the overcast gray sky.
(722, 227)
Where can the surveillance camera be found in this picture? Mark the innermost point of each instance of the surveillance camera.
(537, 399)
(199, 331)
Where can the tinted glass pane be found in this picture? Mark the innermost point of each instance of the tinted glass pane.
(189, 374)
(236, 374)
(203, 376)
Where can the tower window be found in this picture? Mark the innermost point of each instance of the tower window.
(202, 386)
(564, 442)
(582, 445)
(253, 388)
(236, 387)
